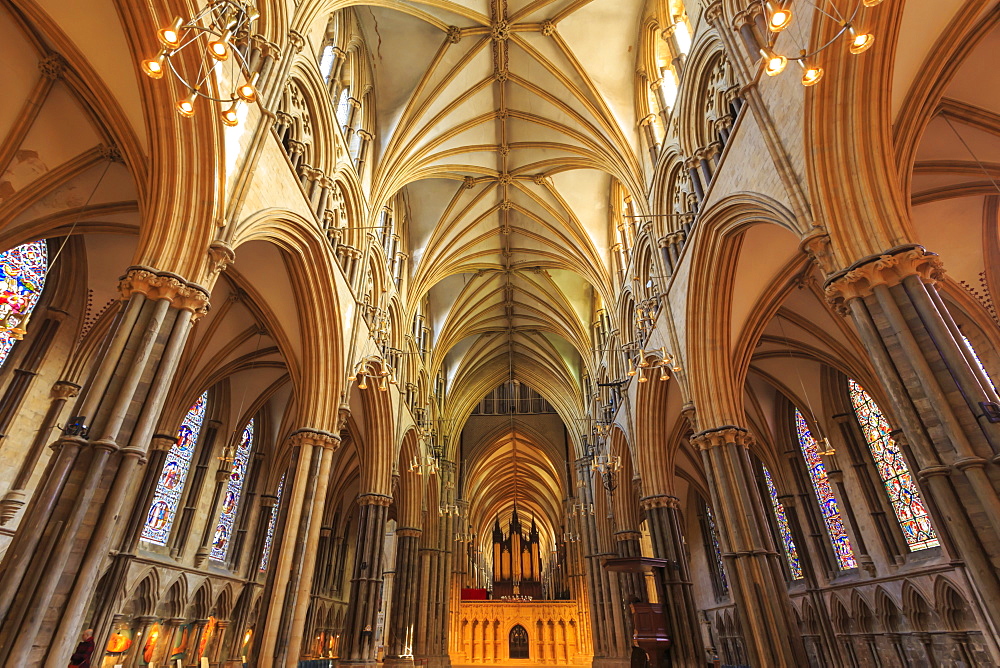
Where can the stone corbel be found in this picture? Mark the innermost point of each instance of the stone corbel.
(222, 255)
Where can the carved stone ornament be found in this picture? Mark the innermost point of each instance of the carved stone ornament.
(548, 28)
(888, 269)
(713, 438)
(454, 34)
(308, 436)
(222, 255)
(52, 66)
(375, 500)
(659, 501)
(163, 285)
(500, 31)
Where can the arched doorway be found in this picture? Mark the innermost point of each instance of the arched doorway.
(518, 643)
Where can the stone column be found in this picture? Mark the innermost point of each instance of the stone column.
(679, 610)
(752, 565)
(214, 511)
(14, 499)
(290, 586)
(218, 642)
(51, 566)
(591, 550)
(193, 656)
(402, 625)
(366, 585)
(938, 395)
(138, 642)
(166, 643)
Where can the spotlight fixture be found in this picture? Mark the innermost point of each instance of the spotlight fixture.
(221, 32)
(779, 17)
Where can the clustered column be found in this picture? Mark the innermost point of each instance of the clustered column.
(358, 640)
(664, 521)
(70, 523)
(939, 394)
(402, 625)
(748, 552)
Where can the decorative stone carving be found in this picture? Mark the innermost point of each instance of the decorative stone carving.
(164, 285)
(222, 255)
(548, 28)
(712, 438)
(52, 66)
(375, 500)
(307, 436)
(454, 34)
(888, 269)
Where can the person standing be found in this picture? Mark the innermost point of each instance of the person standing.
(81, 657)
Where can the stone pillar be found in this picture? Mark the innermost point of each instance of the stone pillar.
(14, 499)
(214, 511)
(52, 564)
(681, 614)
(138, 642)
(193, 656)
(402, 625)
(287, 596)
(166, 643)
(752, 565)
(938, 395)
(359, 642)
(218, 642)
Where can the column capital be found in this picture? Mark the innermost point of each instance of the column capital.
(719, 436)
(374, 500)
(63, 389)
(409, 532)
(627, 534)
(309, 436)
(155, 284)
(659, 501)
(162, 442)
(888, 268)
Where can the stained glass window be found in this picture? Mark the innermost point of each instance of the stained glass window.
(713, 537)
(786, 533)
(22, 276)
(231, 501)
(269, 538)
(979, 362)
(175, 470)
(911, 513)
(824, 493)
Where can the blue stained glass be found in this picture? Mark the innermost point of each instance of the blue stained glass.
(714, 537)
(269, 538)
(786, 533)
(824, 493)
(911, 513)
(160, 518)
(22, 277)
(231, 501)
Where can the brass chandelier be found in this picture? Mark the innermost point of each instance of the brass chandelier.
(779, 16)
(218, 37)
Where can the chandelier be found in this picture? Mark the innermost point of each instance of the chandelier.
(779, 17)
(217, 36)
(662, 361)
(373, 367)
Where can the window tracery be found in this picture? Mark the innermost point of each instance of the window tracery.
(908, 504)
(167, 496)
(829, 507)
(231, 500)
(22, 276)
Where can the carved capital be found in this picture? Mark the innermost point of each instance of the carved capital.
(268, 500)
(374, 500)
(162, 442)
(628, 535)
(307, 436)
(408, 532)
(713, 438)
(659, 501)
(163, 285)
(888, 269)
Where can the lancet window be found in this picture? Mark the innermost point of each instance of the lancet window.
(911, 513)
(231, 501)
(714, 552)
(787, 542)
(824, 494)
(167, 497)
(22, 276)
(271, 523)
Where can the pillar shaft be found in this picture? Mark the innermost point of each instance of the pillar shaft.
(402, 625)
(359, 642)
(51, 566)
(750, 557)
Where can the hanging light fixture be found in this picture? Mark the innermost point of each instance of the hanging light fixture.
(779, 17)
(374, 367)
(220, 32)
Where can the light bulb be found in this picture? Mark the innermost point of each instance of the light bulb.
(248, 91)
(219, 48)
(153, 67)
(631, 367)
(230, 116)
(185, 106)
(664, 375)
(643, 362)
(382, 386)
(861, 42)
(643, 379)
(780, 19)
(363, 385)
(170, 36)
(811, 74)
(871, 3)
(774, 64)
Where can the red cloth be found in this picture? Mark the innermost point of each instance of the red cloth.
(81, 657)
(474, 595)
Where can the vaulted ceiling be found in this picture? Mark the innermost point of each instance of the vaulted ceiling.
(505, 123)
